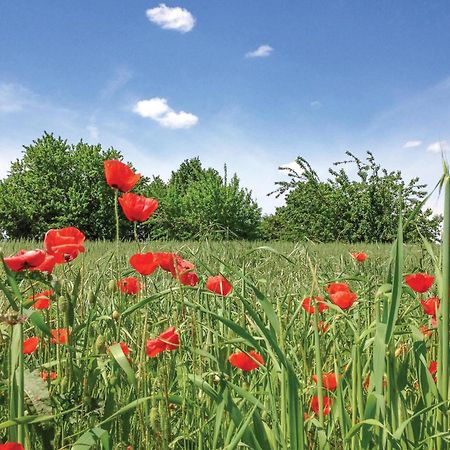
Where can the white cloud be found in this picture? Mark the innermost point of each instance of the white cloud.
(120, 78)
(157, 109)
(315, 104)
(168, 18)
(291, 165)
(14, 97)
(412, 144)
(261, 52)
(93, 132)
(438, 146)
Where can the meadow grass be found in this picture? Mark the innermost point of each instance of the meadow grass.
(192, 398)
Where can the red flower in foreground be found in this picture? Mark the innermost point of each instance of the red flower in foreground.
(25, 259)
(329, 381)
(137, 208)
(41, 299)
(119, 176)
(309, 306)
(45, 375)
(64, 244)
(430, 306)
(246, 361)
(343, 299)
(30, 345)
(145, 263)
(419, 282)
(11, 446)
(48, 265)
(219, 285)
(327, 403)
(332, 288)
(129, 285)
(60, 336)
(359, 256)
(167, 341)
(184, 272)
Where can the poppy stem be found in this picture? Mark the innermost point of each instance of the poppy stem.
(116, 213)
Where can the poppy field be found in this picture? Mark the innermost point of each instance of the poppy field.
(222, 345)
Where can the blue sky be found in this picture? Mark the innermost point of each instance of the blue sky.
(164, 84)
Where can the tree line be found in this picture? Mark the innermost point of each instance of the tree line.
(56, 184)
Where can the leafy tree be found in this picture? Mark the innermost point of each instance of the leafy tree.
(341, 209)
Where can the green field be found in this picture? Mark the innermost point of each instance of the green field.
(192, 398)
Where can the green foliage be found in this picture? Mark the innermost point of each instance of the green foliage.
(341, 209)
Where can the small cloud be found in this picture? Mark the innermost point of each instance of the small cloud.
(119, 79)
(438, 146)
(168, 18)
(261, 52)
(158, 110)
(315, 105)
(292, 166)
(14, 98)
(412, 144)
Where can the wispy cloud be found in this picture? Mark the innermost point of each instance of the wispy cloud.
(261, 52)
(179, 19)
(119, 79)
(315, 105)
(412, 144)
(438, 146)
(158, 110)
(14, 97)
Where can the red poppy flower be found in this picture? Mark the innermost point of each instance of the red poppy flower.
(167, 341)
(145, 263)
(425, 331)
(129, 285)
(329, 381)
(419, 282)
(45, 375)
(64, 244)
(219, 285)
(359, 256)
(433, 322)
(188, 279)
(433, 369)
(246, 361)
(309, 308)
(327, 403)
(60, 336)
(30, 345)
(48, 265)
(184, 272)
(343, 299)
(25, 259)
(11, 446)
(323, 327)
(119, 176)
(332, 288)
(167, 261)
(137, 208)
(42, 299)
(430, 306)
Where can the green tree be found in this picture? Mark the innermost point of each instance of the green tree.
(341, 209)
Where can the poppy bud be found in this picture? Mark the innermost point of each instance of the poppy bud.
(100, 344)
(112, 286)
(56, 285)
(63, 304)
(154, 419)
(116, 315)
(91, 297)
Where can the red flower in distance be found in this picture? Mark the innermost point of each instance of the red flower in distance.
(137, 208)
(184, 272)
(45, 375)
(64, 244)
(25, 259)
(327, 403)
(430, 306)
(11, 446)
(343, 299)
(30, 345)
(119, 175)
(219, 285)
(60, 336)
(145, 263)
(309, 306)
(332, 288)
(419, 282)
(246, 361)
(322, 327)
(129, 285)
(48, 264)
(427, 332)
(359, 256)
(329, 381)
(167, 341)
(433, 369)
(42, 299)
(168, 261)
